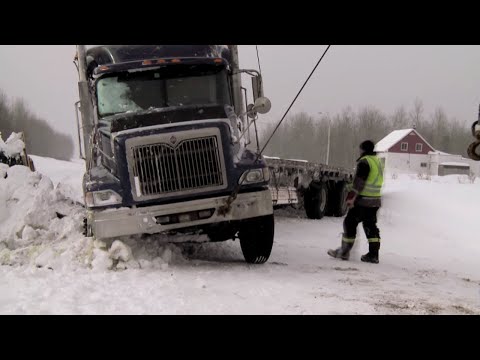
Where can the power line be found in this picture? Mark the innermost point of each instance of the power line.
(298, 94)
(234, 194)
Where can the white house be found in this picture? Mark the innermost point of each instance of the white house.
(406, 151)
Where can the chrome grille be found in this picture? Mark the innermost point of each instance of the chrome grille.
(163, 168)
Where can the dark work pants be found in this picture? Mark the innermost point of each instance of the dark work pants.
(365, 215)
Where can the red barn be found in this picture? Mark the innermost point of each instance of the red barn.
(406, 151)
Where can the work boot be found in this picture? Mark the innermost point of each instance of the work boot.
(372, 255)
(342, 252)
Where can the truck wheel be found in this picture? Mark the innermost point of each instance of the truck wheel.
(316, 201)
(337, 197)
(256, 239)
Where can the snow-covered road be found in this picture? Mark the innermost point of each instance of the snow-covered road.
(428, 261)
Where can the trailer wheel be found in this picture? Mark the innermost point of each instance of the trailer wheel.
(337, 205)
(332, 191)
(256, 239)
(315, 199)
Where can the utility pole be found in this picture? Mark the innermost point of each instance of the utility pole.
(328, 138)
(328, 141)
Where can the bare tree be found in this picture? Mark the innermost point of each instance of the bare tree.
(440, 129)
(399, 119)
(295, 140)
(5, 118)
(41, 139)
(416, 115)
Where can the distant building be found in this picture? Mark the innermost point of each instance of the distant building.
(406, 151)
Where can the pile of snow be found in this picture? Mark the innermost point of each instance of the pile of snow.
(434, 220)
(42, 226)
(13, 146)
(3, 170)
(135, 253)
(67, 175)
(36, 219)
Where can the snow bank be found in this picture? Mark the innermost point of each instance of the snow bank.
(392, 178)
(13, 146)
(33, 216)
(65, 174)
(3, 170)
(42, 226)
(435, 220)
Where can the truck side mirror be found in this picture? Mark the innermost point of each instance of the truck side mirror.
(257, 86)
(262, 105)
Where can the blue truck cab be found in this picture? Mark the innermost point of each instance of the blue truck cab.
(165, 137)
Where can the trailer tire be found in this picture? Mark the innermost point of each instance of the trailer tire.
(308, 203)
(256, 239)
(332, 191)
(316, 199)
(337, 205)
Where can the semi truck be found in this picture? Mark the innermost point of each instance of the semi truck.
(166, 134)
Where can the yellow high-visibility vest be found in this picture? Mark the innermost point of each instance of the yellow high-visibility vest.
(373, 186)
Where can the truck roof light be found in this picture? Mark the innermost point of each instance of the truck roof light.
(147, 62)
(176, 61)
(161, 61)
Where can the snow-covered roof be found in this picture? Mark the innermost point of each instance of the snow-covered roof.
(437, 152)
(459, 164)
(271, 157)
(300, 160)
(394, 137)
(391, 139)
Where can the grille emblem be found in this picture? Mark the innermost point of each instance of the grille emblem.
(173, 140)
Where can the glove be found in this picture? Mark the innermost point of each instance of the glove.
(351, 199)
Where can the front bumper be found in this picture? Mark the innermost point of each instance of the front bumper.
(126, 221)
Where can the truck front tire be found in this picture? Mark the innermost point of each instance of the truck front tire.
(256, 239)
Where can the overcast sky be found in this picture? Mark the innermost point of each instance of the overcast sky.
(383, 76)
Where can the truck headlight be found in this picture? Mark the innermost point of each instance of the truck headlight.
(102, 198)
(255, 176)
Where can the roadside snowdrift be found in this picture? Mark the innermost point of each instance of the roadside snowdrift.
(428, 261)
(41, 225)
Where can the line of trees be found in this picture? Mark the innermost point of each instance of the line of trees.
(41, 138)
(303, 136)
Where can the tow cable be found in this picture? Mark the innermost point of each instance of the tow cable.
(224, 209)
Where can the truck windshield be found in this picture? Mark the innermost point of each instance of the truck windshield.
(161, 88)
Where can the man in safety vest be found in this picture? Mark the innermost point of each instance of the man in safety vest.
(364, 200)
